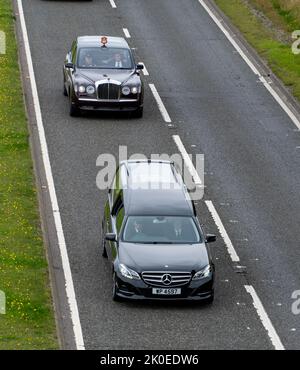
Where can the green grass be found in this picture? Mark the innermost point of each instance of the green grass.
(288, 10)
(29, 320)
(278, 55)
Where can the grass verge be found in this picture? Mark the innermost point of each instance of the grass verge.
(29, 320)
(278, 55)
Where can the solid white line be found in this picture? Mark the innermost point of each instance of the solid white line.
(55, 209)
(160, 104)
(265, 318)
(223, 232)
(252, 66)
(112, 3)
(187, 160)
(145, 71)
(126, 33)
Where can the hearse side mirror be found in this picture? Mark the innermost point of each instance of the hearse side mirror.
(139, 66)
(69, 65)
(111, 237)
(210, 238)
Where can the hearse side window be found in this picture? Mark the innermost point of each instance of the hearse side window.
(115, 188)
(117, 205)
(120, 218)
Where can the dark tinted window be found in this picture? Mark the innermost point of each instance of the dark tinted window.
(119, 219)
(104, 58)
(161, 229)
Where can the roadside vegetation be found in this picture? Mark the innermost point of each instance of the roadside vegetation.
(268, 25)
(29, 320)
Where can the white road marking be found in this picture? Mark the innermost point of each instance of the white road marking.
(55, 209)
(209, 204)
(265, 318)
(251, 65)
(160, 104)
(187, 160)
(126, 33)
(112, 3)
(145, 71)
(223, 232)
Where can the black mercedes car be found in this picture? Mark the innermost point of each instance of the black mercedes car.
(152, 237)
(100, 74)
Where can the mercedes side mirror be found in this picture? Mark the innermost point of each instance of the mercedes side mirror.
(139, 66)
(111, 237)
(210, 238)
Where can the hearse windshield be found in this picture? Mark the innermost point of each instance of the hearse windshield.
(161, 230)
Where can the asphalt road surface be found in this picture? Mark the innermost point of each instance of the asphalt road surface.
(218, 108)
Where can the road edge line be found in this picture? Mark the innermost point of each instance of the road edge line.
(264, 318)
(255, 70)
(232, 252)
(69, 286)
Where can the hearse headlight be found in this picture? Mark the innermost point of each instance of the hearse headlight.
(128, 273)
(205, 272)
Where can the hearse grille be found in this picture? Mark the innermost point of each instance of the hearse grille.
(166, 278)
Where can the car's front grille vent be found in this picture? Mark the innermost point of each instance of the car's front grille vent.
(108, 91)
(166, 278)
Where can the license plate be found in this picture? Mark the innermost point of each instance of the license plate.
(166, 291)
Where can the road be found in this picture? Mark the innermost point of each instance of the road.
(218, 108)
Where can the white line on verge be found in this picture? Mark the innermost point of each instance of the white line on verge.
(145, 71)
(265, 318)
(126, 33)
(187, 160)
(252, 66)
(112, 3)
(160, 104)
(55, 209)
(223, 232)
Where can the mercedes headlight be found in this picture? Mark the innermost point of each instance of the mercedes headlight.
(205, 272)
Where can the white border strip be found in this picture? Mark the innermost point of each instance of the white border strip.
(112, 3)
(265, 318)
(160, 104)
(126, 33)
(251, 65)
(223, 232)
(55, 209)
(187, 160)
(145, 71)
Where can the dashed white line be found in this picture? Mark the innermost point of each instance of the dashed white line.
(70, 292)
(223, 232)
(160, 104)
(235, 258)
(265, 318)
(126, 33)
(187, 160)
(145, 71)
(209, 204)
(251, 65)
(112, 3)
